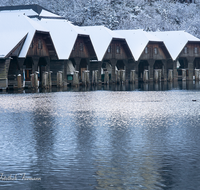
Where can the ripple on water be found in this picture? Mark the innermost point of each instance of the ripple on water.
(101, 139)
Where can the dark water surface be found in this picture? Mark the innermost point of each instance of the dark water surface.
(102, 139)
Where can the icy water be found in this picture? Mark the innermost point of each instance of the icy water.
(142, 138)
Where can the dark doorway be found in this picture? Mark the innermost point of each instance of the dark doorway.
(143, 65)
(42, 67)
(27, 68)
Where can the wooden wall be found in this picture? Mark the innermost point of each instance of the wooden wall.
(118, 49)
(151, 53)
(38, 46)
(83, 48)
(191, 51)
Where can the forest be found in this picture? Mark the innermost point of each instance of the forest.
(150, 15)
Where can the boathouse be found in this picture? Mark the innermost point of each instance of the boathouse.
(149, 54)
(32, 11)
(184, 50)
(73, 46)
(111, 49)
(30, 48)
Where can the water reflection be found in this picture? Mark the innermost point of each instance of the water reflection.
(151, 86)
(143, 138)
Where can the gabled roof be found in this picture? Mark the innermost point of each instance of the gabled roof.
(64, 35)
(7, 44)
(29, 10)
(16, 26)
(137, 41)
(101, 38)
(175, 41)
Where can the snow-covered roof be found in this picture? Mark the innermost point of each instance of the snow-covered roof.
(45, 13)
(64, 35)
(137, 41)
(101, 38)
(7, 44)
(29, 10)
(16, 26)
(175, 41)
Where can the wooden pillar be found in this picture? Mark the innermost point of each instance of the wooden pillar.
(190, 67)
(21, 63)
(48, 63)
(4, 67)
(136, 64)
(164, 70)
(77, 67)
(99, 70)
(77, 62)
(35, 64)
(113, 64)
(150, 68)
(129, 66)
(89, 68)
(175, 73)
(96, 65)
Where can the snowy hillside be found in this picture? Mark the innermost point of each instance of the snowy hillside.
(125, 14)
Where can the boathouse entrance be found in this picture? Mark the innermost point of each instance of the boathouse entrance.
(182, 66)
(143, 65)
(13, 71)
(27, 69)
(42, 67)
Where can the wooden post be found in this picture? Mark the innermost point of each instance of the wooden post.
(196, 74)
(122, 76)
(19, 81)
(170, 75)
(75, 78)
(183, 74)
(59, 79)
(190, 67)
(159, 75)
(151, 64)
(49, 79)
(113, 74)
(36, 84)
(156, 75)
(132, 77)
(145, 76)
(106, 78)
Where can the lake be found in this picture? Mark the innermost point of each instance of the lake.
(141, 137)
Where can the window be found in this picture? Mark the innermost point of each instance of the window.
(109, 49)
(155, 51)
(196, 50)
(118, 50)
(146, 50)
(40, 44)
(81, 46)
(185, 50)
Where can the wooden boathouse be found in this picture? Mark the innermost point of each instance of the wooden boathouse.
(30, 53)
(111, 49)
(73, 46)
(44, 42)
(184, 51)
(149, 54)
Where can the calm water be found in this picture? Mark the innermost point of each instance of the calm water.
(145, 138)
